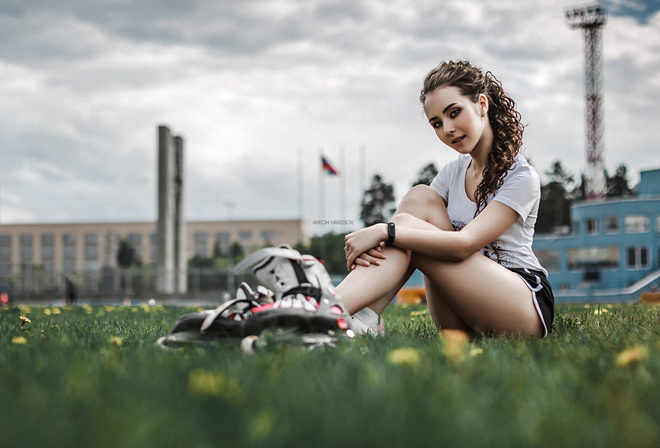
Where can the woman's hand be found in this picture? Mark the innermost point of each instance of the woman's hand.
(364, 247)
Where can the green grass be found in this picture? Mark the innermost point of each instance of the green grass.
(93, 377)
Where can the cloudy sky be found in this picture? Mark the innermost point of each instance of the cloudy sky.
(259, 89)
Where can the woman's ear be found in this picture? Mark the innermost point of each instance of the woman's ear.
(483, 104)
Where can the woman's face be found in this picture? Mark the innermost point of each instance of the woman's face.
(458, 121)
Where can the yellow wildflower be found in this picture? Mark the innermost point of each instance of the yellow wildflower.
(261, 426)
(47, 311)
(56, 310)
(24, 320)
(203, 382)
(404, 356)
(116, 340)
(19, 340)
(632, 355)
(455, 344)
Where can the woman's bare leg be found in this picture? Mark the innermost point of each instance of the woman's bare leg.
(376, 286)
(483, 294)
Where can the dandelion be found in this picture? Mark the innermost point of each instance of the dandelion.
(47, 311)
(455, 344)
(476, 351)
(261, 426)
(24, 320)
(20, 340)
(404, 356)
(116, 340)
(203, 382)
(56, 311)
(601, 311)
(632, 355)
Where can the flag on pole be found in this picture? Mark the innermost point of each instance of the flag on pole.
(329, 169)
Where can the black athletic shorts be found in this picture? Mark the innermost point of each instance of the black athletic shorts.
(544, 300)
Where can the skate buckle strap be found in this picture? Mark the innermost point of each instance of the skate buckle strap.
(262, 254)
(208, 321)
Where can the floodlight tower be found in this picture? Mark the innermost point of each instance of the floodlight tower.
(591, 18)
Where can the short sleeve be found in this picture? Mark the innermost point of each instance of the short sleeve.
(443, 180)
(521, 190)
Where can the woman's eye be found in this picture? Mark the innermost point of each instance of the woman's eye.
(437, 124)
(454, 113)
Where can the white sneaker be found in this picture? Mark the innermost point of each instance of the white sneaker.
(359, 327)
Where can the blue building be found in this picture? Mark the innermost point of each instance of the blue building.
(613, 250)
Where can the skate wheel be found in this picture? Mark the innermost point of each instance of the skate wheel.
(249, 344)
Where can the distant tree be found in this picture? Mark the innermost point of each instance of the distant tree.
(329, 248)
(127, 255)
(376, 201)
(556, 199)
(618, 185)
(426, 175)
(201, 262)
(217, 250)
(236, 251)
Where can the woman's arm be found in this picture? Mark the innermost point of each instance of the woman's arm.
(418, 236)
(421, 237)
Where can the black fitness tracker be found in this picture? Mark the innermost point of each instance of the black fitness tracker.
(390, 233)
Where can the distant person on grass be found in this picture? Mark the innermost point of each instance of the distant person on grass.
(470, 232)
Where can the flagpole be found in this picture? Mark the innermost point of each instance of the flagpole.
(300, 184)
(322, 202)
(342, 182)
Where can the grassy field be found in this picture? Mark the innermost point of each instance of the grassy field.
(93, 377)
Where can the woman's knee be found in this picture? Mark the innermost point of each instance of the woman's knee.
(425, 203)
(418, 199)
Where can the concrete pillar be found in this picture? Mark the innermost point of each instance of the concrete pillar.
(171, 232)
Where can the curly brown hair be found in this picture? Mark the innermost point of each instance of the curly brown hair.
(505, 120)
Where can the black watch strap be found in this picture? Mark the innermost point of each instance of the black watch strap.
(391, 233)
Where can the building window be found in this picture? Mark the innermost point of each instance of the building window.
(69, 240)
(612, 224)
(91, 248)
(153, 238)
(245, 235)
(593, 257)
(268, 236)
(135, 240)
(638, 257)
(222, 243)
(657, 224)
(27, 252)
(5, 241)
(5, 255)
(549, 259)
(636, 223)
(591, 226)
(47, 254)
(200, 240)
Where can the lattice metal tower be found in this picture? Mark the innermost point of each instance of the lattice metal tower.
(591, 18)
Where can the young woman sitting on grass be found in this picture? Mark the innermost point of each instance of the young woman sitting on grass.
(470, 232)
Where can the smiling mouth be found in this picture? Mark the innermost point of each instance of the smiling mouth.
(458, 140)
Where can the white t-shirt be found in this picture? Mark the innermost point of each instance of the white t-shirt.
(521, 191)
